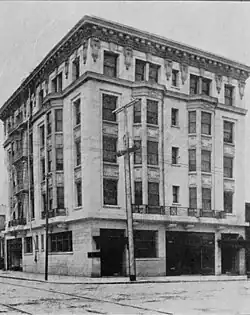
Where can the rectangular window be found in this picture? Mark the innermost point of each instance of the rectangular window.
(110, 191)
(40, 98)
(206, 198)
(194, 84)
(192, 160)
(205, 123)
(110, 64)
(228, 201)
(140, 67)
(79, 194)
(205, 161)
(28, 248)
(36, 243)
(228, 131)
(206, 86)
(77, 109)
(228, 167)
(138, 152)
(138, 193)
(152, 112)
(42, 136)
(153, 194)
(49, 123)
(61, 242)
(43, 170)
(60, 197)
(49, 154)
(59, 159)
(228, 95)
(176, 194)
(76, 69)
(78, 152)
(152, 153)
(175, 117)
(59, 120)
(44, 202)
(50, 198)
(109, 149)
(109, 103)
(42, 242)
(175, 76)
(175, 155)
(137, 112)
(153, 73)
(192, 122)
(145, 244)
(59, 82)
(193, 197)
(54, 85)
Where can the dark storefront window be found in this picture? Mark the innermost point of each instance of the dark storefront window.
(145, 244)
(61, 242)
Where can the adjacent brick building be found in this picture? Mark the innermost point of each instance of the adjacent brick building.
(187, 175)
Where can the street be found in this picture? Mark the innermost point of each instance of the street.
(30, 297)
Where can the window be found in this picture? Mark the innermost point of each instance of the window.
(153, 194)
(192, 122)
(59, 120)
(110, 191)
(42, 242)
(59, 159)
(153, 73)
(50, 198)
(76, 69)
(228, 95)
(145, 243)
(228, 201)
(77, 108)
(138, 152)
(228, 167)
(79, 194)
(228, 131)
(44, 202)
(32, 204)
(140, 67)
(152, 153)
(36, 243)
(54, 85)
(205, 161)
(137, 112)
(175, 76)
(138, 193)
(49, 153)
(49, 123)
(108, 106)
(110, 64)
(61, 242)
(40, 98)
(152, 112)
(175, 155)
(175, 117)
(175, 194)
(42, 138)
(43, 170)
(193, 197)
(205, 123)
(28, 248)
(192, 160)
(57, 83)
(206, 198)
(206, 86)
(194, 84)
(109, 149)
(60, 197)
(78, 152)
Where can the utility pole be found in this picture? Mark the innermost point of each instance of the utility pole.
(128, 191)
(47, 228)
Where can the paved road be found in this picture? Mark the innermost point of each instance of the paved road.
(210, 298)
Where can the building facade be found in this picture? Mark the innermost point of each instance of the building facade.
(61, 143)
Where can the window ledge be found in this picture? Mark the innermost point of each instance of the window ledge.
(229, 144)
(176, 165)
(110, 122)
(205, 135)
(28, 254)
(153, 126)
(77, 208)
(112, 206)
(230, 214)
(61, 253)
(229, 179)
(206, 173)
(175, 87)
(59, 133)
(149, 258)
(153, 166)
(110, 163)
(192, 173)
(177, 204)
(137, 124)
(137, 165)
(192, 134)
(175, 126)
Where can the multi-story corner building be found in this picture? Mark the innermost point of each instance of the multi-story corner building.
(187, 174)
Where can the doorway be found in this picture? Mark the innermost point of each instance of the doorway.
(14, 254)
(112, 252)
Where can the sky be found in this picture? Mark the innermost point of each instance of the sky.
(28, 31)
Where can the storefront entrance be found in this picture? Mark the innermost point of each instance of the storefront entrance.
(230, 253)
(112, 243)
(14, 254)
(189, 253)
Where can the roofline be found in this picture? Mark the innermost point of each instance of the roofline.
(130, 30)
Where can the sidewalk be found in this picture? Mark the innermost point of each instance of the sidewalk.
(114, 280)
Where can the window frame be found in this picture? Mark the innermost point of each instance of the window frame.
(110, 66)
(107, 111)
(191, 162)
(137, 112)
(206, 202)
(153, 194)
(206, 156)
(76, 69)
(138, 153)
(65, 238)
(152, 115)
(192, 118)
(141, 74)
(42, 136)
(152, 154)
(50, 160)
(228, 99)
(194, 84)
(28, 245)
(108, 142)
(78, 185)
(175, 155)
(175, 194)
(49, 123)
(60, 197)
(174, 117)
(59, 161)
(228, 206)
(153, 73)
(207, 90)
(138, 193)
(175, 78)
(58, 120)
(112, 192)
(193, 197)
(78, 153)
(206, 127)
(228, 131)
(146, 246)
(77, 111)
(228, 169)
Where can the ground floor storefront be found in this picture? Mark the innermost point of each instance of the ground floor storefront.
(100, 249)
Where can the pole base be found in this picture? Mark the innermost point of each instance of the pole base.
(132, 277)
